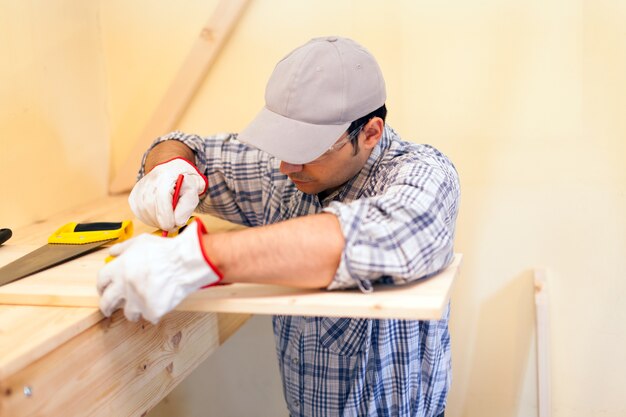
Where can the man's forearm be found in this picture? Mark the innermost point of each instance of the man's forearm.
(303, 252)
(167, 150)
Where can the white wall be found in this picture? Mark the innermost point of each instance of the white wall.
(527, 97)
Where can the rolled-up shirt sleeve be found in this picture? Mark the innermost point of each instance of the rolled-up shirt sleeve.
(241, 178)
(402, 234)
(194, 142)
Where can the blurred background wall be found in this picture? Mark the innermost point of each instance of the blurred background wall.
(528, 98)
(54, 121)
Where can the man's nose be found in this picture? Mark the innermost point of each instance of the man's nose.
(287, 168)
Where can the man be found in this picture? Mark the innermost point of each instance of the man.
(336, 200)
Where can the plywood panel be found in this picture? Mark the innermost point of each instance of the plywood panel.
(74, 284)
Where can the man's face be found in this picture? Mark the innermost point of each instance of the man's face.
(332, 169)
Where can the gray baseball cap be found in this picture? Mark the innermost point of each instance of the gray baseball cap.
(312, 96)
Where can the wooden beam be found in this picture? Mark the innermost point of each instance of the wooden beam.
(542, 316)
(73, 284)
(28, 333)
(70, 362)
(205, 49)
(116, 367)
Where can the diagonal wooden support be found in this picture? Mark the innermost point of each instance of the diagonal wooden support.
(205, 49)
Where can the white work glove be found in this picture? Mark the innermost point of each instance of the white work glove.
(151, 275)
(151, 198)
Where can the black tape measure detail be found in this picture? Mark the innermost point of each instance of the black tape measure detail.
(95, 227)
(5, 234)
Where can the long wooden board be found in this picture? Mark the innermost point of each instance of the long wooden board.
(73, 284)
(73, 363)
(29, 332)
(113, 368)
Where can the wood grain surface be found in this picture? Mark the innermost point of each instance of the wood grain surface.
(71, 362)
(74, 284)
(29, 332)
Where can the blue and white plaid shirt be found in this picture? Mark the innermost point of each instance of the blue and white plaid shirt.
(398, 218)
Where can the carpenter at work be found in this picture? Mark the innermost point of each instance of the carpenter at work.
(335, 199)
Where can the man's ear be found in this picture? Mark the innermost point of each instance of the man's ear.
(373, 131)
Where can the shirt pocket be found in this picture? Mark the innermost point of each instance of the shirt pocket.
(343, 336)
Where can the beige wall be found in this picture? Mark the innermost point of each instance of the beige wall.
(53, 108)
(527, 97)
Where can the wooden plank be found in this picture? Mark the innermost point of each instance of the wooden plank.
(74, 284)
(27, 333)
(74, 363)
(210, 41)
(115, 368)
(542, 317)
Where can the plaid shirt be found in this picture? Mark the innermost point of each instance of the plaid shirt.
(398, 219)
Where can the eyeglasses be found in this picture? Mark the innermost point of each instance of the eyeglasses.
(339, 144)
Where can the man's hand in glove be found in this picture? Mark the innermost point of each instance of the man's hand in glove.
(151, 275)
(151, 198)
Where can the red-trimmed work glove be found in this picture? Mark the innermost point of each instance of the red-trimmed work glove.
(151, 198)
(151, 275)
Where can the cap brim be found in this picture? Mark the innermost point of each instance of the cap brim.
(290, 140)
